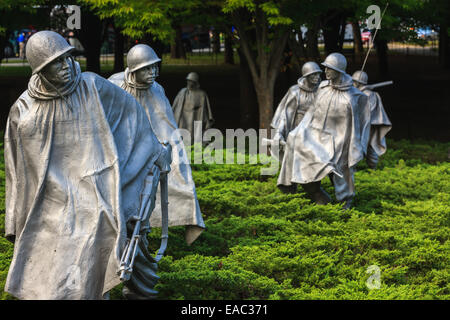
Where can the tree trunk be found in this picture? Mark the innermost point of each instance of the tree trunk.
(3, 42)
(90, 36)
(264, 93)
(342, 32)
(173, 49)
(298, 53)
(312, 48)
(119, 44)
(297, 47)
(444, 45)
(177, 48)
(382, 54)
(215, 41)
(331, 34)
(229, 52)
(357, 39)
(265, 64)
(248, 100)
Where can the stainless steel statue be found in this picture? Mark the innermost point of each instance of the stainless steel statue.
(295, 103)
(137, 265)
(139, 80)
(380, 123)
(192, 104)
(77, 152)
(331, 138)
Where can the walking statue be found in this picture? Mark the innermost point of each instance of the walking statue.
(192, 104)
(379, 121)
(330, 139)
(295, 103)
(78, 151)
(139, 80)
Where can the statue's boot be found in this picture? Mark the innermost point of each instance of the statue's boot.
(322, 197)
(288, 189)
(372, 158)
(347, 203)
(130, 294)
(316, 193)
(372, 165)
(143, 278)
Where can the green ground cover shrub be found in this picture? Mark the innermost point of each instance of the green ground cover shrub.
(263, 244)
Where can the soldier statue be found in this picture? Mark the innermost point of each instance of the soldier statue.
(139, 80)
(330, 139)
(78, 150)
(379, 121)
(297, 101)
(192, 104)
(292, 109)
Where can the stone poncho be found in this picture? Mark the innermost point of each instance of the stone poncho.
(380, 126)
(292, 108)
(184, 209)
(75, 164)
(192, 105)
(331, 139)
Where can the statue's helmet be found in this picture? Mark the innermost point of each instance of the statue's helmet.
(43, 47)
(193, 76)
(361, 77)
(140, 56)
(310, 68)
(336, 61)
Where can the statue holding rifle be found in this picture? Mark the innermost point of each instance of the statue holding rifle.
(292, 109)
(379, 121)
(331, 138)
(139, 79)
(78, 151)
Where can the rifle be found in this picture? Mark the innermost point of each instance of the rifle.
(270, 142)
(274, 145)
(377, 85)
(149, 190)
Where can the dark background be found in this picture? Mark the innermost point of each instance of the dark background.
(418, 104)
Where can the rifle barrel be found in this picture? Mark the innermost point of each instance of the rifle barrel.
(380, 84)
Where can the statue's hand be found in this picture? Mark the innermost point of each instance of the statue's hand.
(165, 158)
(279, 139)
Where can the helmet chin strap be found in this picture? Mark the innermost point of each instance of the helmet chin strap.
(51, 85)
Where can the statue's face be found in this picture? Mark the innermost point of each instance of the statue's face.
(313, 79)
(191, 85)
(148, 74)
(59, 71)
(332, 74)
(356, 84)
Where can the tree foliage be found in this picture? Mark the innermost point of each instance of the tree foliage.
(137, 18)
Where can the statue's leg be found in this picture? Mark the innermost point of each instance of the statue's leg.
(316, 192)
(344, 188)
(371, 158)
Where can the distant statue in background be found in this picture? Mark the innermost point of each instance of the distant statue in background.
(330, 139)
(295, 103)
(192, 104)
(139, 79)
(379, 121)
